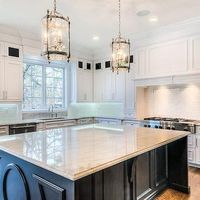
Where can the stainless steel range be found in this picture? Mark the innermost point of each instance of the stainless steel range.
(171, 123)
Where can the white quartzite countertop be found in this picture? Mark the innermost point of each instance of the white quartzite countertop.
(78, 151)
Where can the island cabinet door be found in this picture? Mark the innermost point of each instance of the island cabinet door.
(144, 176)
(160, 166)
(108, 184)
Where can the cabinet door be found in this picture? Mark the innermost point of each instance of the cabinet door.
(198, 150)
(80, 85)
(192, 140)
(1, 78)
(143, 175)
(160, 165)
(98, 86)
(13, 80)
(191, 155)
(114, 183)
(84, 85)
(120, 87)
(129, 85)
(2, 53)
(168, 58)
(108, 84)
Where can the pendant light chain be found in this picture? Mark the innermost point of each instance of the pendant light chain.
(54, 3)
(119, 19)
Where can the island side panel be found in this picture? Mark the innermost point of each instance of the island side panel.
(135, 179)
(178, 165)
(22, 180)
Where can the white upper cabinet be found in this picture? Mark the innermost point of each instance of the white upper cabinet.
(11, 72)
(2, 52)
(1, 78)
(109, 85)
(164, 59)
(99, 78)
(120, 86)
(168, 58)
(84, 82)
(195, 52)
(130, 90)
(13, 82)
(141, 63)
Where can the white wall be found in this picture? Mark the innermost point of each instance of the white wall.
(181, 101)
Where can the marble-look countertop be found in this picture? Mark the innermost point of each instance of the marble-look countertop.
(26, 121)
(78, 151)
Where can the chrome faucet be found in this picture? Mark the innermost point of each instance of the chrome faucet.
(51, 109)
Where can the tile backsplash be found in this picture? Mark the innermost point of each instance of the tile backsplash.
(10, 112)
(173, 101)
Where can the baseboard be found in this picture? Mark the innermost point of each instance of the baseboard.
(180, 188)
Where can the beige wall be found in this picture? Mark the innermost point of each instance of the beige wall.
(170, 101)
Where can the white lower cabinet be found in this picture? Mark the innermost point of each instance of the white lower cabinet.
(198, 149)
(85, 121)
(4, 130)
(191, 155)
(108, 121)
(194, 150)
(59, 124)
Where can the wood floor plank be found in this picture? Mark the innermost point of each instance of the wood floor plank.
(194, 179)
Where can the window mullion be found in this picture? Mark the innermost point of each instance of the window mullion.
(44, 86)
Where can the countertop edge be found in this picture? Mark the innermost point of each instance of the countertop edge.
(96, 169)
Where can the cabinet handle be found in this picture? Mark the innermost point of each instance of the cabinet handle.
(196, 142)
(6, 95)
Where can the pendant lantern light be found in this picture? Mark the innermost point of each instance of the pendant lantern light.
(55, 36)
(120, 50)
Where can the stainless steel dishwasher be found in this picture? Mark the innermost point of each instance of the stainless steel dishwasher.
(22, 128)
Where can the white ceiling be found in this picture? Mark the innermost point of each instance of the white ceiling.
(96, 17)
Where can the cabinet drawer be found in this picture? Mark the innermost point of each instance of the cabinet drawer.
(40, 127)
(197, 129)
(4, 130)
(108, 121)
(52, 125)
(191, 141)
(191, 155)
(85, 121)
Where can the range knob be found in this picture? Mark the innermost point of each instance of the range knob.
(145, 125)
(149, 126)
(168, 128)
(160, 127)
(156, 126)
(173, 128)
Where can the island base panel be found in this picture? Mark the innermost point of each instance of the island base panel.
(142, 177)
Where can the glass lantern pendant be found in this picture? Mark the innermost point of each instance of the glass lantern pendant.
(120, 50)
(55, 36)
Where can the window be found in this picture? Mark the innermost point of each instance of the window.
(43, 86)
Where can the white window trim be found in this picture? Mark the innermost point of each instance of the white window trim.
(65, 99)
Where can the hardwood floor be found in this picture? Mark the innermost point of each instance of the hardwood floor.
(194, 178)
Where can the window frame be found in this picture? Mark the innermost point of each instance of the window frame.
(45, 64)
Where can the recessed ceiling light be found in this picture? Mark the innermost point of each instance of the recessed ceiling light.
(153, 19)
(142, 13)
(96, 38)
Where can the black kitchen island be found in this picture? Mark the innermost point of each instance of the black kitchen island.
(93, 162)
